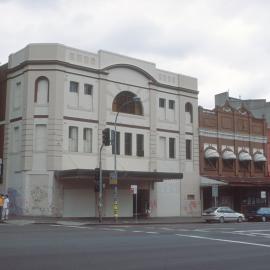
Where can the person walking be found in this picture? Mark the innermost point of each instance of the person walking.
(1, 205)
(5, 208)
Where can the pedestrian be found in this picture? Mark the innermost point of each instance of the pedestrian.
(1, 205)
(5, 208)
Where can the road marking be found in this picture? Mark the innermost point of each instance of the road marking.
(137, 231)
(119, 230)
(152, 232)
(167, 229)
(223, 240)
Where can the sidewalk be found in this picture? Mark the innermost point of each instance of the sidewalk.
(24, 220)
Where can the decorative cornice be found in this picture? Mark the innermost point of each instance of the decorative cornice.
(232, 136)
(80, 119)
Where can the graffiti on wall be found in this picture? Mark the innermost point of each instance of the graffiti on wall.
(15, 202)
(191, 207)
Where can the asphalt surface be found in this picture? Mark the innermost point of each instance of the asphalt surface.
(179, 246)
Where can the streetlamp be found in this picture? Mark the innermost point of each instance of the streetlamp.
(134, 99)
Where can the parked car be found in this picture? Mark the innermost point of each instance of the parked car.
(261, 214)
(222, 214)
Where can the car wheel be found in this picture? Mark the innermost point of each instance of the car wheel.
(221, 219)
(240, 219)
(263, 219)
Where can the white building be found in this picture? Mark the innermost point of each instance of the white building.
(59, 99)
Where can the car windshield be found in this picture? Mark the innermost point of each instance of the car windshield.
(263, 211)
(210, 210)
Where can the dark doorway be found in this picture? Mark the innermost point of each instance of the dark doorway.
(142, 203)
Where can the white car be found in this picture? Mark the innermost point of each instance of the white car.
(222, 214)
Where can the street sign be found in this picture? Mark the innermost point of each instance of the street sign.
(134, 189)
(215, 191)
(113, 178)
(263, 194)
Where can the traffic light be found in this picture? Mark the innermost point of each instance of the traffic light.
(106, 136)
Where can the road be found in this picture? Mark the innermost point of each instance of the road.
(182, 246)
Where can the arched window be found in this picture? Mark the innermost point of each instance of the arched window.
(124, 103)
(189, 113)
(42, 91)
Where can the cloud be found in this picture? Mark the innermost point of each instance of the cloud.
(225, 44)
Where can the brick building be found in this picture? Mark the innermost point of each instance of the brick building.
(233, 155)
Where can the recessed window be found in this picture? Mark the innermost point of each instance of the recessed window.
(117, 142)
(16, 140)
(171, 147)
(42, 91)
(140, 145)
(162, 103)
(87, 140)
(73, 139)
(41, 138)
(171, 104)
(189, 113)
(188, 149)
(73, 87)
(191, 197)
(88, 89)
(128, 144)
(125, 102)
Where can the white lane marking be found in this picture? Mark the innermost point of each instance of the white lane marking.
(223, 240)
(137, 231)
(200, 230)
(167, 229)
(152, 232)
(71, 226)
(119, 230)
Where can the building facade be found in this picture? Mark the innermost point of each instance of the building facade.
(233, 157)
(60, 99)
(3, 88)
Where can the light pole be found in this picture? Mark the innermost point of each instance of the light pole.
(134, 99)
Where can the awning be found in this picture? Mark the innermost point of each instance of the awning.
(240, 181)
(228, 155)
(244, 156)
(259, 157)
(211, 153)
(125, 176)
(208, 182)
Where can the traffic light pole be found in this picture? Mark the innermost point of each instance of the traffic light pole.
(100, 199)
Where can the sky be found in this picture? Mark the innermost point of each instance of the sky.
(225, 44)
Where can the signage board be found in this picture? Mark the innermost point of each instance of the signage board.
(134, 189)
(215, 191)
(113, 178)
(263, 194)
